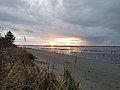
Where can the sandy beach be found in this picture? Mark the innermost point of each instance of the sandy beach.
(92, 74)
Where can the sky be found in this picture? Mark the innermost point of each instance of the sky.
(62, 22)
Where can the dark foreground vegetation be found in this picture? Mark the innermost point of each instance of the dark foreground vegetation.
(18, 72)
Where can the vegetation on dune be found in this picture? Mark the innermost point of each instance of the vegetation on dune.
(7, 40)
(18, 72)
(9, 37)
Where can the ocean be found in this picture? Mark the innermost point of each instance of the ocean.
(105, 53)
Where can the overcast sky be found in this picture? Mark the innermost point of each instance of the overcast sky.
(93, 21)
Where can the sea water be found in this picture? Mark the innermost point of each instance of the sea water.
(105, 53)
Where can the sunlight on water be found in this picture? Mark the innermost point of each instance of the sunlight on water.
(64, 50)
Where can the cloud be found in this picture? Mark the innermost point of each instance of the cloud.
(92, 13)
(16, 17)
(91, 20)
(12, 3)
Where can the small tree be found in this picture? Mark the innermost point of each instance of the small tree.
(10, 37)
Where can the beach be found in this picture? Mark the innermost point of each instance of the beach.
(92, 74)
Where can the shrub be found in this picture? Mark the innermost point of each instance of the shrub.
(9, 37)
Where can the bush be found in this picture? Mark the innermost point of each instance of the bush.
(9, 37)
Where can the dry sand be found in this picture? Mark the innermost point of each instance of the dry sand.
(92, 74)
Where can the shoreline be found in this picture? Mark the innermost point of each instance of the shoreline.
(92, 74)
(117, 62)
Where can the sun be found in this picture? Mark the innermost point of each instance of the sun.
(52, 43)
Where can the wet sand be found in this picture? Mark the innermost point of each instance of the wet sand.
(92, 74)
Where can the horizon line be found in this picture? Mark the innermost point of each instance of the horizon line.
(73, 45)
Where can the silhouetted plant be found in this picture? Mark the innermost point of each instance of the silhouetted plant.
(10, 37)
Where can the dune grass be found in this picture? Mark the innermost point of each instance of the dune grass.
(18, 72)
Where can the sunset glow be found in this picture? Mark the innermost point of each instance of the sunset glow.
(52, 43)
(65, 41)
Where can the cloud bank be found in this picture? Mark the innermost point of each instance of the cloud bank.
(97, 22)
